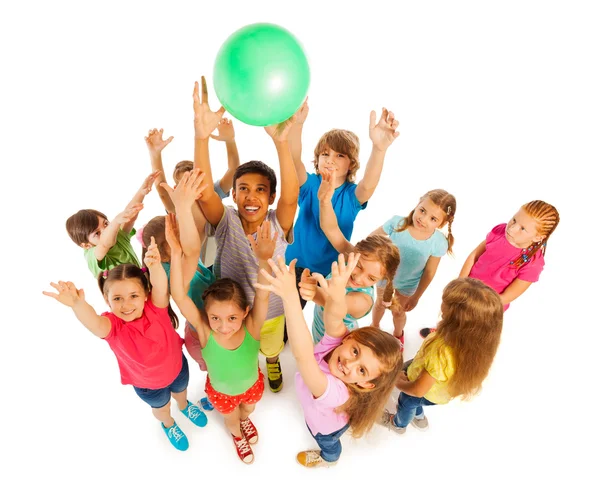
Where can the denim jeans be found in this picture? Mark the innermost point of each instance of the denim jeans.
(330, 444)
(408, 407)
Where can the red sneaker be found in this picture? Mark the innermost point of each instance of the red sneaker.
(400, 341)
(243, 449)
(249, 431)
(424, 332)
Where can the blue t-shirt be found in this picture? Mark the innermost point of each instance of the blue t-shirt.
(311, 247)
(414, 254)
(318, 326)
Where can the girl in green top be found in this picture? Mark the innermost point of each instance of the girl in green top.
(229, 334)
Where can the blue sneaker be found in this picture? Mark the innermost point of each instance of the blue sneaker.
(176, 437)
(196, 415)
(206, 405)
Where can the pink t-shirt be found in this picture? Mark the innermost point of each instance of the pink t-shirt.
(494, 267)
(148, 349)
(320, 413)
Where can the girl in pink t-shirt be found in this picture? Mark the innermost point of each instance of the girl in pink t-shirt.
(343, 381)
(140, 330)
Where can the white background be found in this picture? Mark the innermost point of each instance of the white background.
(498, 103)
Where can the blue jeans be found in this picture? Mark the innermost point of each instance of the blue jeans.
(408, 407)
(330, 444)
(159, 398)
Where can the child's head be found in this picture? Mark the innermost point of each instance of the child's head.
(156, 228)
(379, 259)
(254, 188)
(226, 306)
(338, 151)
(471, 327)
(126, 289)
(86, 226)
(435, 209)
(531, 227)
(182, 167)
(368, 361)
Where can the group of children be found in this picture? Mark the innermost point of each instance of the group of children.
(250, 300)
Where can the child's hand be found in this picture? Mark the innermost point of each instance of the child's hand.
(147, 184)
(152, 257)
(188, 190)
(411, 303)
(225, 131)
(302, 113)
(335, 287)
(205, 120)
(155, 142)
(279, 132)
(326, 189)
(284, 282)
(384, 132)
(172, 234)
(68, 294)
(264, 246)
(128, 214)
(307, 286)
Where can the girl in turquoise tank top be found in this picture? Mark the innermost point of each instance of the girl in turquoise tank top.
(379, 259)
(229, 335)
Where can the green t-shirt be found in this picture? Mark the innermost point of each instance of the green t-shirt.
(120, 253)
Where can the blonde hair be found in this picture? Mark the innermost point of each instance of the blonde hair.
(365, 405)
(341, 141)
(547, 219)
(182, 167)
(471, 326)
(447, 203)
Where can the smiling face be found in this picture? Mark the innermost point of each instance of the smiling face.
(225, 317)
(126, 298)
(335, 162)
(366, 273)
(94, 236)
(522, 230)
(252, 196)
(428, 216)
(354, 363)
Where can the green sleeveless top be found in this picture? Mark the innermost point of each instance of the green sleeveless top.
(232, 372)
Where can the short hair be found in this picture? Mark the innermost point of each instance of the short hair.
(82, 224)
(257, 167)
(342, 141)
(182, 167)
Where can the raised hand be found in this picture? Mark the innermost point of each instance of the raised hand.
(155, 141)
(67, 294)
(205, 120)
(335, 287)
(284, 282)
(384, 133)
(172, 234)
(128, 214)
(326, 189)
(146, 186)
(225, 131)
(264, 246)
(152, 257)
(307, 287)
(188, 190)
(279, 132)
(302, 113)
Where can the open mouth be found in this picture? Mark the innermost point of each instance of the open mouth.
(340, 367)
(128, 312)
(251, 209)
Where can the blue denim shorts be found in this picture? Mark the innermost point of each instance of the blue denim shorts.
(159, 398)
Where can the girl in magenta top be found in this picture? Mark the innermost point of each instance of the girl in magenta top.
(512, 255)
(140, 330)
(344, 381)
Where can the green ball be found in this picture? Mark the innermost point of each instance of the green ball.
(261, 74)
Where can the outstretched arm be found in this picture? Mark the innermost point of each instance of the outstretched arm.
(205, 122)
(156, 144)
(74, 298)
(471, 259)
(108, 239)
(295, 139)
(288, 200)
(382, 135)
(328, 219)
(138, 198)
(226, 133)
(158, 276)
(284, 285)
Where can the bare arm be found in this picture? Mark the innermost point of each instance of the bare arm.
(108, 239)
(378, 231)
(74, 298)
(295, 138)
(156, 144)
(138, 199)
(382, 135)
(327, 217)
(158, 276)
(417, 388)
(514, 290)
(471, 259)
(226, 133)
